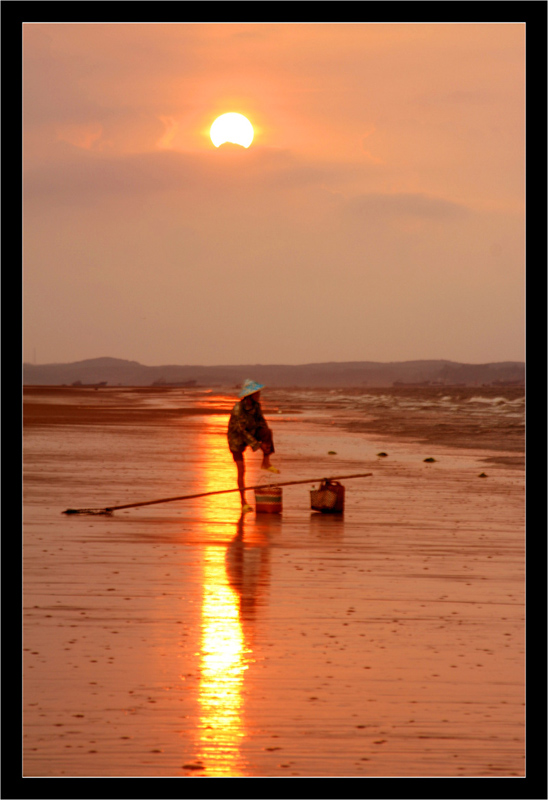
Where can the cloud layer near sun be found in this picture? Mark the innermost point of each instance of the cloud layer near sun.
(380, 203)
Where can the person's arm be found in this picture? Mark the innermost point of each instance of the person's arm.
(240, 422)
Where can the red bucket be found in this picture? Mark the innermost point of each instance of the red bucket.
(268, 500)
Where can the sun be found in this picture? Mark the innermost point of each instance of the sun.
(233, 128)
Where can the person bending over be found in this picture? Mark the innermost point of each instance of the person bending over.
(248, 427)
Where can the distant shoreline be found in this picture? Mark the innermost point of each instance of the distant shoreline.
(360, 374)
(121, 406)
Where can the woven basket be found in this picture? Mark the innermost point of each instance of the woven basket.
(329, 498)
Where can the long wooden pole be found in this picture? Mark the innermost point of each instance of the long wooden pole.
(108, 509)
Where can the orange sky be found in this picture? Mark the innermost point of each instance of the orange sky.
(378, 214)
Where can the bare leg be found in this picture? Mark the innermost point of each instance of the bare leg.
(266, 459)
(241, 486)
(241, 480)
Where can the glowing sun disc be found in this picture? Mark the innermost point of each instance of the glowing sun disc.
(233, 128)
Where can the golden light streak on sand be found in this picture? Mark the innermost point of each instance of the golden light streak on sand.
(223, 666)
(223, 659)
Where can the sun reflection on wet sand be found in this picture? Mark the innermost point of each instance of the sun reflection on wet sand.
(222, 668)
(223, 651)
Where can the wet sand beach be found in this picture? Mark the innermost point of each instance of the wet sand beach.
(179, 639)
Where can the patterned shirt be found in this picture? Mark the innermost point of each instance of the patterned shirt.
(245, 424)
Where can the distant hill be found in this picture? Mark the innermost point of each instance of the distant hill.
(119, 372)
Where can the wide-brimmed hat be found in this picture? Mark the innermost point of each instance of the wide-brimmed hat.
(250, 387)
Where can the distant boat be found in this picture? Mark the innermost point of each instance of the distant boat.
(79, 384)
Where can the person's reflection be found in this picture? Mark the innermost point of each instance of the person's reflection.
(248, 563)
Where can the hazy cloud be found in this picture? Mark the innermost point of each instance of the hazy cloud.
(375, 205)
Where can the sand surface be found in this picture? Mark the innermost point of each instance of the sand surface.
(180, 640)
